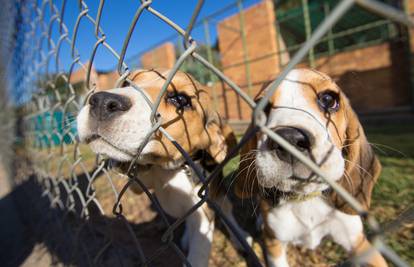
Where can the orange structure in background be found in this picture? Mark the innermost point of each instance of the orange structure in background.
(375, 77)
(162, 56)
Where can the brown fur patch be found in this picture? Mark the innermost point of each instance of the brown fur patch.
(362, 166)
(195, 128)
(374, 259)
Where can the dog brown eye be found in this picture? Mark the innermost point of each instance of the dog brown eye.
(328, 101)
(179, 100)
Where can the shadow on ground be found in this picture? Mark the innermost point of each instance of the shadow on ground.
(27, 219)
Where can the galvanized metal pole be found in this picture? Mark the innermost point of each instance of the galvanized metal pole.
(244, 45)
(208, 45)
(331, 43)
(210, 59)
(308, 31)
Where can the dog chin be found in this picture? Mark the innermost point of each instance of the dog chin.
(285, 185)
(291, 185)
(288, 179)
(101, 147)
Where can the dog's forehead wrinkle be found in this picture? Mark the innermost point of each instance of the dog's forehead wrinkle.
(321, 75)
(292, 96)
(293, 106)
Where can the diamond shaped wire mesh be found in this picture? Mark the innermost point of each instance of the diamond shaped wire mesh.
(52, 100)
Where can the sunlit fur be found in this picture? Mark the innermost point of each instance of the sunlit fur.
(195, 128)
(341, 150)
(294, 105)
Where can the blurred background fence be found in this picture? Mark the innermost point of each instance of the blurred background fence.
(367, 54)
(45, 79)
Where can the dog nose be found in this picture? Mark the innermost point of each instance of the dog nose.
(105, 105)
(296, 137)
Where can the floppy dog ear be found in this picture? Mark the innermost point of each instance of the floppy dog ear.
(245, 183)
(362, 167)
(222, 138)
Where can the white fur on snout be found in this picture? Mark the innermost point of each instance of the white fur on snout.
(292, 109)
(121, 135)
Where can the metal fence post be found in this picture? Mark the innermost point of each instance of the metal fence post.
(244, 44)
(210, 59)
(331, 42)
(308, 30)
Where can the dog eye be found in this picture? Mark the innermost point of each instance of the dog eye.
(179, 100)
(329, 101)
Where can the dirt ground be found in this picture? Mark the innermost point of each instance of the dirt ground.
(138, 211)
(109, 240)
(112, 241)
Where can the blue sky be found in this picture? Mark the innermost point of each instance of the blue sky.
(116, 19)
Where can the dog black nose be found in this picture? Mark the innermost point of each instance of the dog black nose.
(105, 105)
(296, 137)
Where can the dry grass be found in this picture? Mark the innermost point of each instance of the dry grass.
(393, 194)
(63, 161)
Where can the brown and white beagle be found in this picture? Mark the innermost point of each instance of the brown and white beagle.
(312, 113)
(116, 122)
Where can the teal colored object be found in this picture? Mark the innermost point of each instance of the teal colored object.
(51, 129)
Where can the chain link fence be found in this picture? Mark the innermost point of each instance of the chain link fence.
(79, 187)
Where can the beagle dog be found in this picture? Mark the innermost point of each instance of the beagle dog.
(117, 122)
(297, 207)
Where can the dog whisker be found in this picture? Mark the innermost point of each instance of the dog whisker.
(358, 166)
(388, 147)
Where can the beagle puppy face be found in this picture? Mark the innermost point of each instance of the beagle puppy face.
(312, 113)
(306, 110)
(117, 122)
